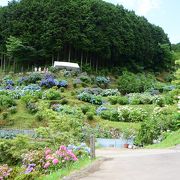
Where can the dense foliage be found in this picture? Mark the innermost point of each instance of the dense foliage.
(33, 160)
(135, 83)
(50, 110)
(89, 31)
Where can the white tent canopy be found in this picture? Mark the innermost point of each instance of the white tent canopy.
(66, 65)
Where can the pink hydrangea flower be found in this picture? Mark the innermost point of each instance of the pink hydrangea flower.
(66, 158)
(75, 159)
(47, 165)
(49, 157)
(63, 148)
(55, 161)
(48, 151)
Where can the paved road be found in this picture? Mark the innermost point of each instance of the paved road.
(138, 165)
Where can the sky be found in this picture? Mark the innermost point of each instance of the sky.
(164, 13)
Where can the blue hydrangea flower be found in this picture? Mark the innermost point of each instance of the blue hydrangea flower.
(100, 109)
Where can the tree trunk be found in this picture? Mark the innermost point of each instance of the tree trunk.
(9, 64)
(87, 58)
(4, 63)
(58, 56)
(69, 56)
(97, 65)
(81, 60)
(14, 65)
(1, 61)
(52, 59)
(90, 63)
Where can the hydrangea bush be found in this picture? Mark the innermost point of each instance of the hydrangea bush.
(4, 171)
(102, 81)
(49, 81)
(131, 114)
(48, 160)
(90, 98)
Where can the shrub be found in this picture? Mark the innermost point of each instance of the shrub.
(90, 98)
(62, 83)
(137, 115)
(105, 114)
(32, 107)
(77, 81)
(134, 101)
(65, 129)
(135, 83)
(114, 115)
(159, 100)
(100, 109)
(110, 92)
(13, 109)
(28, 98)
(169, 77)
(113, 100)
(84, 84)
(5, 115)
(6, 101)
(168, 88)
(85, 79)
(53, 69)
(146, 98)
(51, 94)
(140, 98)
(93, 91)
(4, 171)
(62, 89)
(44, 112)
(39, 116)
(32, 87)
(34, 77)
(8, 83)
(123, 100)
(96, 100)
(74, 85)
(12, 149)
(66, 109)
(85, 97)
(90, 115)
(110, 114)
(85, 109)
(48, 81)
(64, 101)
(73, 93)
(49, 160)
(161, 120)
(102, 81)
(169, 99)
(22, 80)
(129, 114)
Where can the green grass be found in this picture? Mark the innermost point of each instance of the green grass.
(177, 55)
(67, 171)
(120, 125)
(171, 140)
(23, 119)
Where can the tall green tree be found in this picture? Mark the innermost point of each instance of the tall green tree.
(88, 31)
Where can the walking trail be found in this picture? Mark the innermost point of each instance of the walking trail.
(139, 164)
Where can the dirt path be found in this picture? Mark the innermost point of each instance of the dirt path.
(137, 165)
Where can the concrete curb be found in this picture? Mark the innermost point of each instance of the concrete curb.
(86, 171)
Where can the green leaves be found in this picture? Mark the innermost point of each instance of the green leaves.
(97, 32)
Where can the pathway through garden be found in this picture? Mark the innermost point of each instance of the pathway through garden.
(139, 164)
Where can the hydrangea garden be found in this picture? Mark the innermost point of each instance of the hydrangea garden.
(50, 117)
